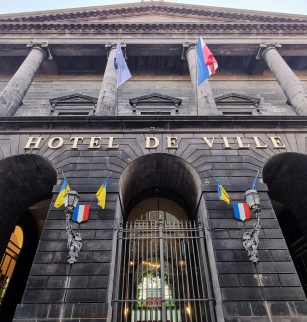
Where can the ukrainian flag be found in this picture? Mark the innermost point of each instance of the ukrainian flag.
(60, 199)
(223, 195)
(102, 193)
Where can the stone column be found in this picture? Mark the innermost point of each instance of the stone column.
(107, 99)
(14, 92)
(203, 94)
(287, 80)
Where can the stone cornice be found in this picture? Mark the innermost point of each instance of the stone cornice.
(142, 124)
(135, 9)
(222, 28)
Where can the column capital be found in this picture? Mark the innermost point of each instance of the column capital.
(265, 47)
(186, 47)
(42, 46)
(112, 45)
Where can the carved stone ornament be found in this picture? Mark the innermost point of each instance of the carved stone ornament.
(73, 104)
(155, 100)
(235, 98)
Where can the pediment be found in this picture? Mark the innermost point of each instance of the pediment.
(156, 11)
(73, 99)
(236, 99)
(155, 99)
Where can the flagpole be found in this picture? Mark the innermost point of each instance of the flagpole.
(117, 101)
(255, 181)
(196, 79)
(117, 86)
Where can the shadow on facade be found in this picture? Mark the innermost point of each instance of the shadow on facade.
(26, 183)
(285, 176)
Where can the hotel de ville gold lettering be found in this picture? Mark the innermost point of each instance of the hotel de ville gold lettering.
(152, 142)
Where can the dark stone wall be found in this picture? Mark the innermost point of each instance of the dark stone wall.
(56, 290)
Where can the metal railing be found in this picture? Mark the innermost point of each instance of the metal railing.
(162, 273)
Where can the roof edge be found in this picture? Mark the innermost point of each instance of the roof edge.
(153, 4)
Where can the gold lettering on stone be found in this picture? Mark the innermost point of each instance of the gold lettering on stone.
(276, 142)
(94, 142)
(111, 146)
(51, 142)
(76, 141)
(226, 143)
(171, 142)
(240, 144)
(210, 144)
(258, 145)
(32, 142)
(148, 141)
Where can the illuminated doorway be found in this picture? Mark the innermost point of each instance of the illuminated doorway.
(9, 260)
(164, 275)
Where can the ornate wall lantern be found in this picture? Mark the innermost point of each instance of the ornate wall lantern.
(74, 240)
(252, 197)
(71, 200)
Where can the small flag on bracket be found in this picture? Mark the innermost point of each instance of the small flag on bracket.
(241, 211)
(81, 213)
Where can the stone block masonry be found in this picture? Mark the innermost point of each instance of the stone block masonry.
(83, 291)
(36, 101)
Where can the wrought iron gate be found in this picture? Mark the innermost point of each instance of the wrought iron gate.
(162, 273)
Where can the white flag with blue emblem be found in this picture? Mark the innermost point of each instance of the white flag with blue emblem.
(123, 73)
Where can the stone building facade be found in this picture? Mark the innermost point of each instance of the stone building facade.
(160, 135)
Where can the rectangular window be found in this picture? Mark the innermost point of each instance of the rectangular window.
(237, 113)
(73, 113)
(156, 113)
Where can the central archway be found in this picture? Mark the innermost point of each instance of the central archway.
(173, 176)
(164, 273)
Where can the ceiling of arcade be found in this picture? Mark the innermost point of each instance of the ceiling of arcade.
(154, 33)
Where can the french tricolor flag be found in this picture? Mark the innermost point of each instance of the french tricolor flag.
(241, 211)
(206, 63)
(81, 213)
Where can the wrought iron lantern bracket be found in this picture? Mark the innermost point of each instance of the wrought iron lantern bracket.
(251, 238)
(74, 239)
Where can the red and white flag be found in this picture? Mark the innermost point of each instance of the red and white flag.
(81, 213)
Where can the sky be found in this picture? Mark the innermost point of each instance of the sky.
(284, 6)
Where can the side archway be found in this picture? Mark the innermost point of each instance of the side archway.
(26, 183)
(285, 176)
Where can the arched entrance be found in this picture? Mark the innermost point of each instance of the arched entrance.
(163, 270)
(285, 176)
(26, 183)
